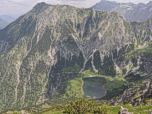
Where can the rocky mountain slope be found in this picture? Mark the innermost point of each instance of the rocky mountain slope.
(131, 12)
(136, 95)
(52, 44)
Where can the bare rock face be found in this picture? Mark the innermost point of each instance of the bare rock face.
(135, 95)
(124, 111)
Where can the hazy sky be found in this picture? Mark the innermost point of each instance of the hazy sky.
(8, 7)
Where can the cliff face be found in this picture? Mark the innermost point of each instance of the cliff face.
(52, 44)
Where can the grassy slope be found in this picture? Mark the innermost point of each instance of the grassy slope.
(53, 112)
(114, 110)
(110, 109)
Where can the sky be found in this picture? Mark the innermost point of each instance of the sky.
(18, 7)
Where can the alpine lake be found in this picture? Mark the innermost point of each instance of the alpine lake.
(93, 87)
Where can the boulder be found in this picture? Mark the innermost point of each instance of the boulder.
(124, 111)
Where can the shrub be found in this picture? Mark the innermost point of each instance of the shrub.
(83, 106)
(125, 102)
(100, 110)
(145, 101)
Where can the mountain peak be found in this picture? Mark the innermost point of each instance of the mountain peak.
(149, 4)
(41, 3)
(102, 5)
(40, 7)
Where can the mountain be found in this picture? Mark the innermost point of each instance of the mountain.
(3, 23)
(106, 5)
(140, 12)
(131, 12)
(7, 18)
(53, 51)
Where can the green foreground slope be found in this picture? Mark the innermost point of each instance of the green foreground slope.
(45, 108)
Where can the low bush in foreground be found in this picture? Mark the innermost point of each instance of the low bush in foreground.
(83, 106)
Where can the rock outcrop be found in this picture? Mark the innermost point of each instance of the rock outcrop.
(124, 111)
(135, 95)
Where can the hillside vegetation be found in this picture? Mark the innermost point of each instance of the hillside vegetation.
(84, 106)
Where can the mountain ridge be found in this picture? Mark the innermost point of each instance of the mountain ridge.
(3, 23)
(7, 18)
(52, 44)
(131, 12)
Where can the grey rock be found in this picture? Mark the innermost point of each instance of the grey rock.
(124, 111)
